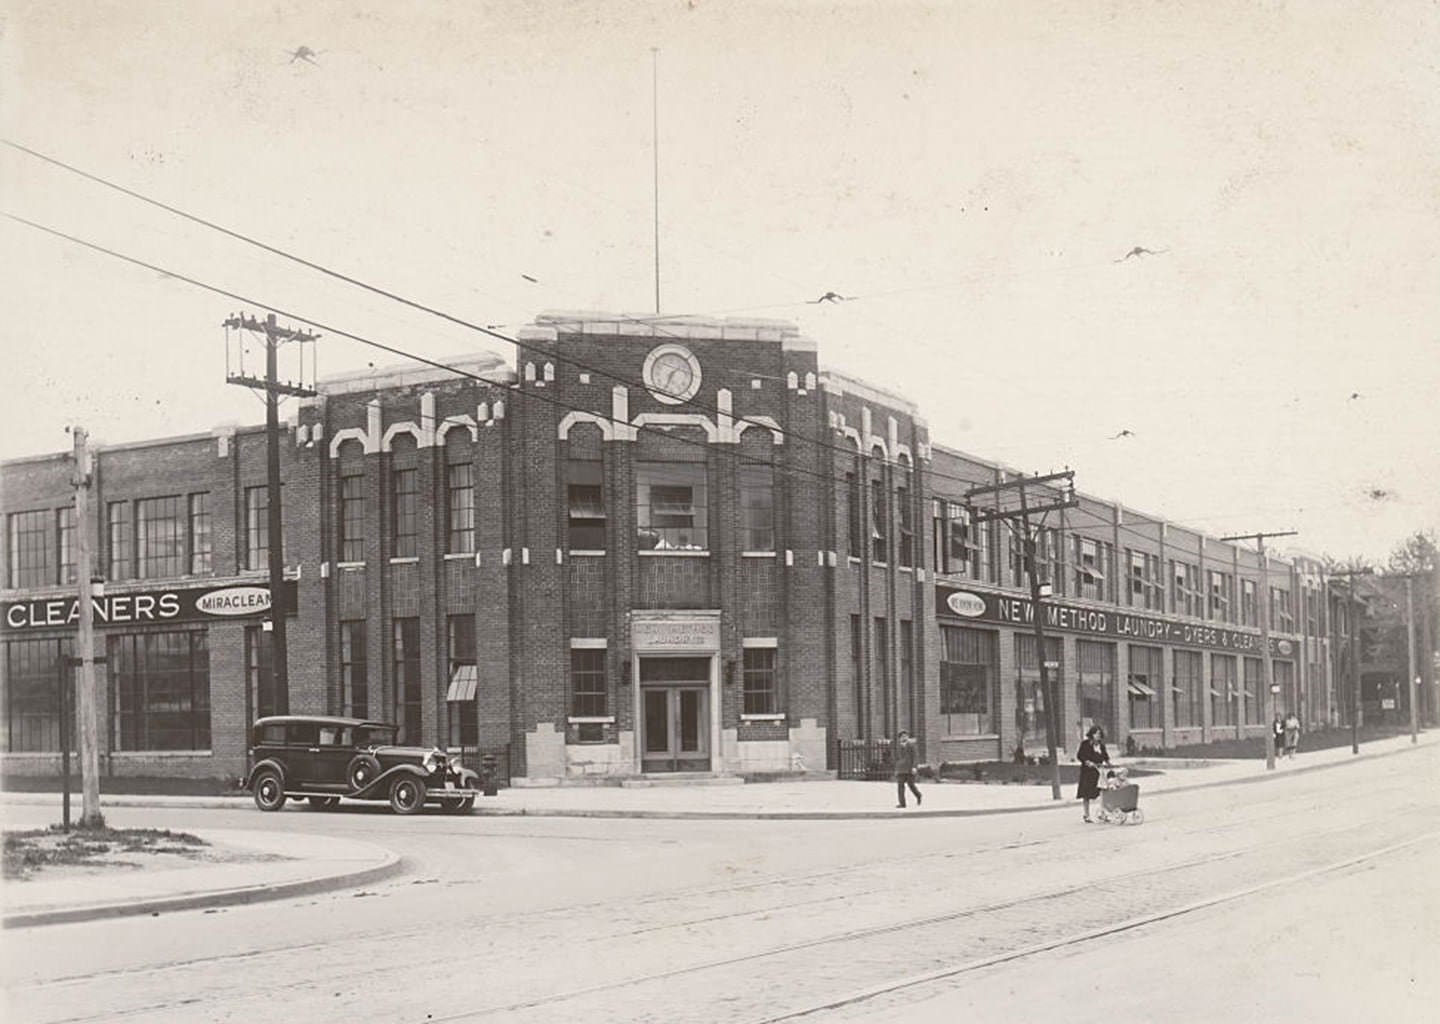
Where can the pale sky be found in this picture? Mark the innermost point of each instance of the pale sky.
(970, 174)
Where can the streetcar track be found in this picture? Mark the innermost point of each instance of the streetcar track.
(692, 892)
(945, 973)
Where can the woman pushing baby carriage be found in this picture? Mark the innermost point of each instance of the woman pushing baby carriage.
(1091, 755)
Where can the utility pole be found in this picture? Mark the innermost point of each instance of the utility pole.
(86, 704)
(273, 388)
(1062, 488)
(1353, 617)
(1263, 600)
(1410, 657)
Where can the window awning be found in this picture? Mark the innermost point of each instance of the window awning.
(1215, 693)
(463, 683)
(1140, 689)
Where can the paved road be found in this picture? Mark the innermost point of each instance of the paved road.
(744, 921)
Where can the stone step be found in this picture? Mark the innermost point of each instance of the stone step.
(682, 779)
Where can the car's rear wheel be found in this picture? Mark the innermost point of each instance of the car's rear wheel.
(323, 803)
(269, 790)
(363, 770)
(458, 805)
(407, 795)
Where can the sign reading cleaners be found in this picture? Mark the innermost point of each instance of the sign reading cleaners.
(146, 607)
(1005, 610)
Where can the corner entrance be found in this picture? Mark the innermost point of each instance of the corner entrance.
(675, 714)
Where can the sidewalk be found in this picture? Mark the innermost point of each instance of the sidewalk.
(286, 864)
(305, 863)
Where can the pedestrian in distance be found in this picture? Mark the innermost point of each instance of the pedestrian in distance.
(1091, 755)
(905, 769)
(1277, 729)
(1292, 733)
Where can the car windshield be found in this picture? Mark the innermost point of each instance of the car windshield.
(375, 735)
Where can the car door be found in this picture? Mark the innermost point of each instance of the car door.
(301, 754)
(331, 755)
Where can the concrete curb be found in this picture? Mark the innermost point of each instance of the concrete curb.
(393, 864)
(481, 810)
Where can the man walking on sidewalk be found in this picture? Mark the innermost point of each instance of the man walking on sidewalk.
(905, 768)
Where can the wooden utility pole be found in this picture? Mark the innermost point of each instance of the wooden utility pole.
(86, 703)
(1414, 679)
(1064, 484)
(1352, 616)
(1263, 600)
(274, 337)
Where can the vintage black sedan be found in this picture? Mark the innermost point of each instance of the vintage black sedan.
(321, 759)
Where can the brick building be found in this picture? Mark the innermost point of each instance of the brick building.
(657, 544)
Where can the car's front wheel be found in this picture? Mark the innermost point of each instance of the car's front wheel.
(407, 795)
(269, 790)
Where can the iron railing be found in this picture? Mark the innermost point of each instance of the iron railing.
(474, 759)
(863, 759)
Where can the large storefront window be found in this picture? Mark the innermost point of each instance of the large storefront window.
(160, 691)
(258, 680)
(1095, 685)
(405, 650)
(1224, 694)
(1145, 685)
(969, 681)
(1254, 705)
(1189, 705)
(31, 674)
(354, 670)
(1285, 700)
(1029, 698)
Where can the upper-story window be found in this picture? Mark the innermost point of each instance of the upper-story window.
(670, 506)
(257, 528)
(852, 515)
(29, 537)
(585, 498)
(404, 499)
(459, 494)
(1282, 612)
(65, 534)
(1185, 595)
(879, 523)
(1221, 588)
(905, 554)
(1146, 590)
(757, 508)
(1248, 607)
(117, 539)
(201, 540)
(160, 528)
(1092, 568)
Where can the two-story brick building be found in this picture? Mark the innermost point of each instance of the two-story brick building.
(657, 544)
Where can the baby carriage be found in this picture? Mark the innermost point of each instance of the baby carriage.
(1120, 799)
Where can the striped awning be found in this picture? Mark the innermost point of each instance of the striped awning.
(463, 683)
(1140, 689)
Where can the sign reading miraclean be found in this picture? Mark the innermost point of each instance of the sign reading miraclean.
(234, 601)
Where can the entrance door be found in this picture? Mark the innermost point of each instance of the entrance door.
(677, 729)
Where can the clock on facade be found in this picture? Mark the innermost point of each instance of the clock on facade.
(672, 373)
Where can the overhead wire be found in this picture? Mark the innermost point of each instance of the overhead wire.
(458, 321)
(656, 322)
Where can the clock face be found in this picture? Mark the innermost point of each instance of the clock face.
(672, 374)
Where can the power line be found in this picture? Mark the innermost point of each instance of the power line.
(458, 321)
(340, 332)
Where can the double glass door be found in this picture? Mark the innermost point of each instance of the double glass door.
(675, 714)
